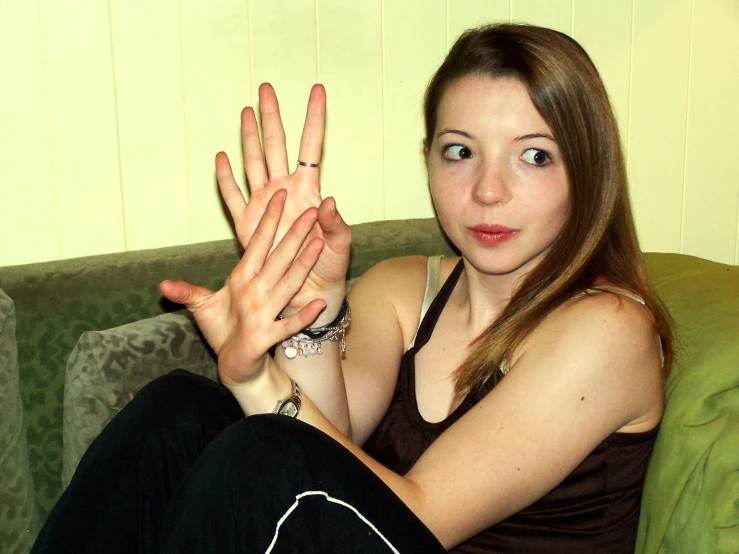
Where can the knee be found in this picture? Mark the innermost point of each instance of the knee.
(272, 443)
(276, 432)
(178, 382)
(181, 394)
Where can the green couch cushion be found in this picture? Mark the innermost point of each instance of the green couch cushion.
(691, 494)
(58, 301)
(18, 516)
(107, 368)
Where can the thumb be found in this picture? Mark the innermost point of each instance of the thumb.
(182, 292)
(337, 232)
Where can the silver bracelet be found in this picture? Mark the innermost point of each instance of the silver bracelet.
(309, 342)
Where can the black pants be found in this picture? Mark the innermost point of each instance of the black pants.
(181, 470)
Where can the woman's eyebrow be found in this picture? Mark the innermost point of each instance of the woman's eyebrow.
(535, 135)
(456, 132)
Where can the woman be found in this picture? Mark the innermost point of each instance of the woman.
(510, 408)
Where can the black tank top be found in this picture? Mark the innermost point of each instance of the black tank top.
(595, 509)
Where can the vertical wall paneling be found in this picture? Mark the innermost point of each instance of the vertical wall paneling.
(147, 57)
(415, 45)
(659, 90)
(604, 30)
(350, 39)
(466, 14)
(284, 54)
(217, 84)
(555, 14)
(712, 177)
(28, 223)
(83, 127)
(111, 112)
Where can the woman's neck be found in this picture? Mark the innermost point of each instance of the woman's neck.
(482, 298)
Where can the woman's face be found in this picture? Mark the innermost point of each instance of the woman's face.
(497, 178)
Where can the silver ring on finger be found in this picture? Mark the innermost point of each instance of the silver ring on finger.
(307, 164)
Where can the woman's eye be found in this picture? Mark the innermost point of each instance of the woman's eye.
(534, 156)
(457, 152)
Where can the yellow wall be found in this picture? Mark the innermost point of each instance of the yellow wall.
(111, 112)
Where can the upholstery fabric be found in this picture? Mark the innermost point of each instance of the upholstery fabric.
(18, 517)
(58, 301)
(690, 501)
(107, 368)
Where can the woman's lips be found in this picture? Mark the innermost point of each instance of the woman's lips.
(491, 235)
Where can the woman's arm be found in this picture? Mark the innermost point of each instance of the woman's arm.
(591, 369)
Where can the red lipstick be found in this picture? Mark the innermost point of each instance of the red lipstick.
(491, 235)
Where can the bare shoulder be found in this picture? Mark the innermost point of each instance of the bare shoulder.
(610, 342)
(622, 317)
(397, 284)
(394, 273)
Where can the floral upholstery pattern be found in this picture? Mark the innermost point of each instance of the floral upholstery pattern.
(107, 368)
(18, 517)
(58, 301)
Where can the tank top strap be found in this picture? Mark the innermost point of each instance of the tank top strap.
(431, 316)
(615, 290)
(433, 269)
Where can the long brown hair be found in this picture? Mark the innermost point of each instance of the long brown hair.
(599, 238)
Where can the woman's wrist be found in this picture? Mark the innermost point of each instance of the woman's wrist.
(260, 394)
(333, 297)
(310, 341)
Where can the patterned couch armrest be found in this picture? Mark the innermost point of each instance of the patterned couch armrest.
(18, 513)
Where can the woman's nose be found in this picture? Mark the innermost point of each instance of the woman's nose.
(492, 184)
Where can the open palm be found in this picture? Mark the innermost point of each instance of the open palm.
(267, 172)
(239, 321)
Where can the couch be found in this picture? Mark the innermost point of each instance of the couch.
(79, 337)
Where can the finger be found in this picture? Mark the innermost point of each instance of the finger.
(311, 142)
(283, 255)
(261, 241)
(230, 190)
(181, 292)
(273, 133)
(256, 172)
(296, 275)
(295, 323)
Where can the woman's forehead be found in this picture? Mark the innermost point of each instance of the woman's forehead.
(480, 103)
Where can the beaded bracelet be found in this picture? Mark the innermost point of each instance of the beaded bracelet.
(309, 342)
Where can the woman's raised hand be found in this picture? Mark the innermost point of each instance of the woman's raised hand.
(267, 171)
(239, 321)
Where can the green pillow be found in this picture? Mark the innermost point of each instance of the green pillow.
(107, 368)
(691, 493)
(18, 515)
